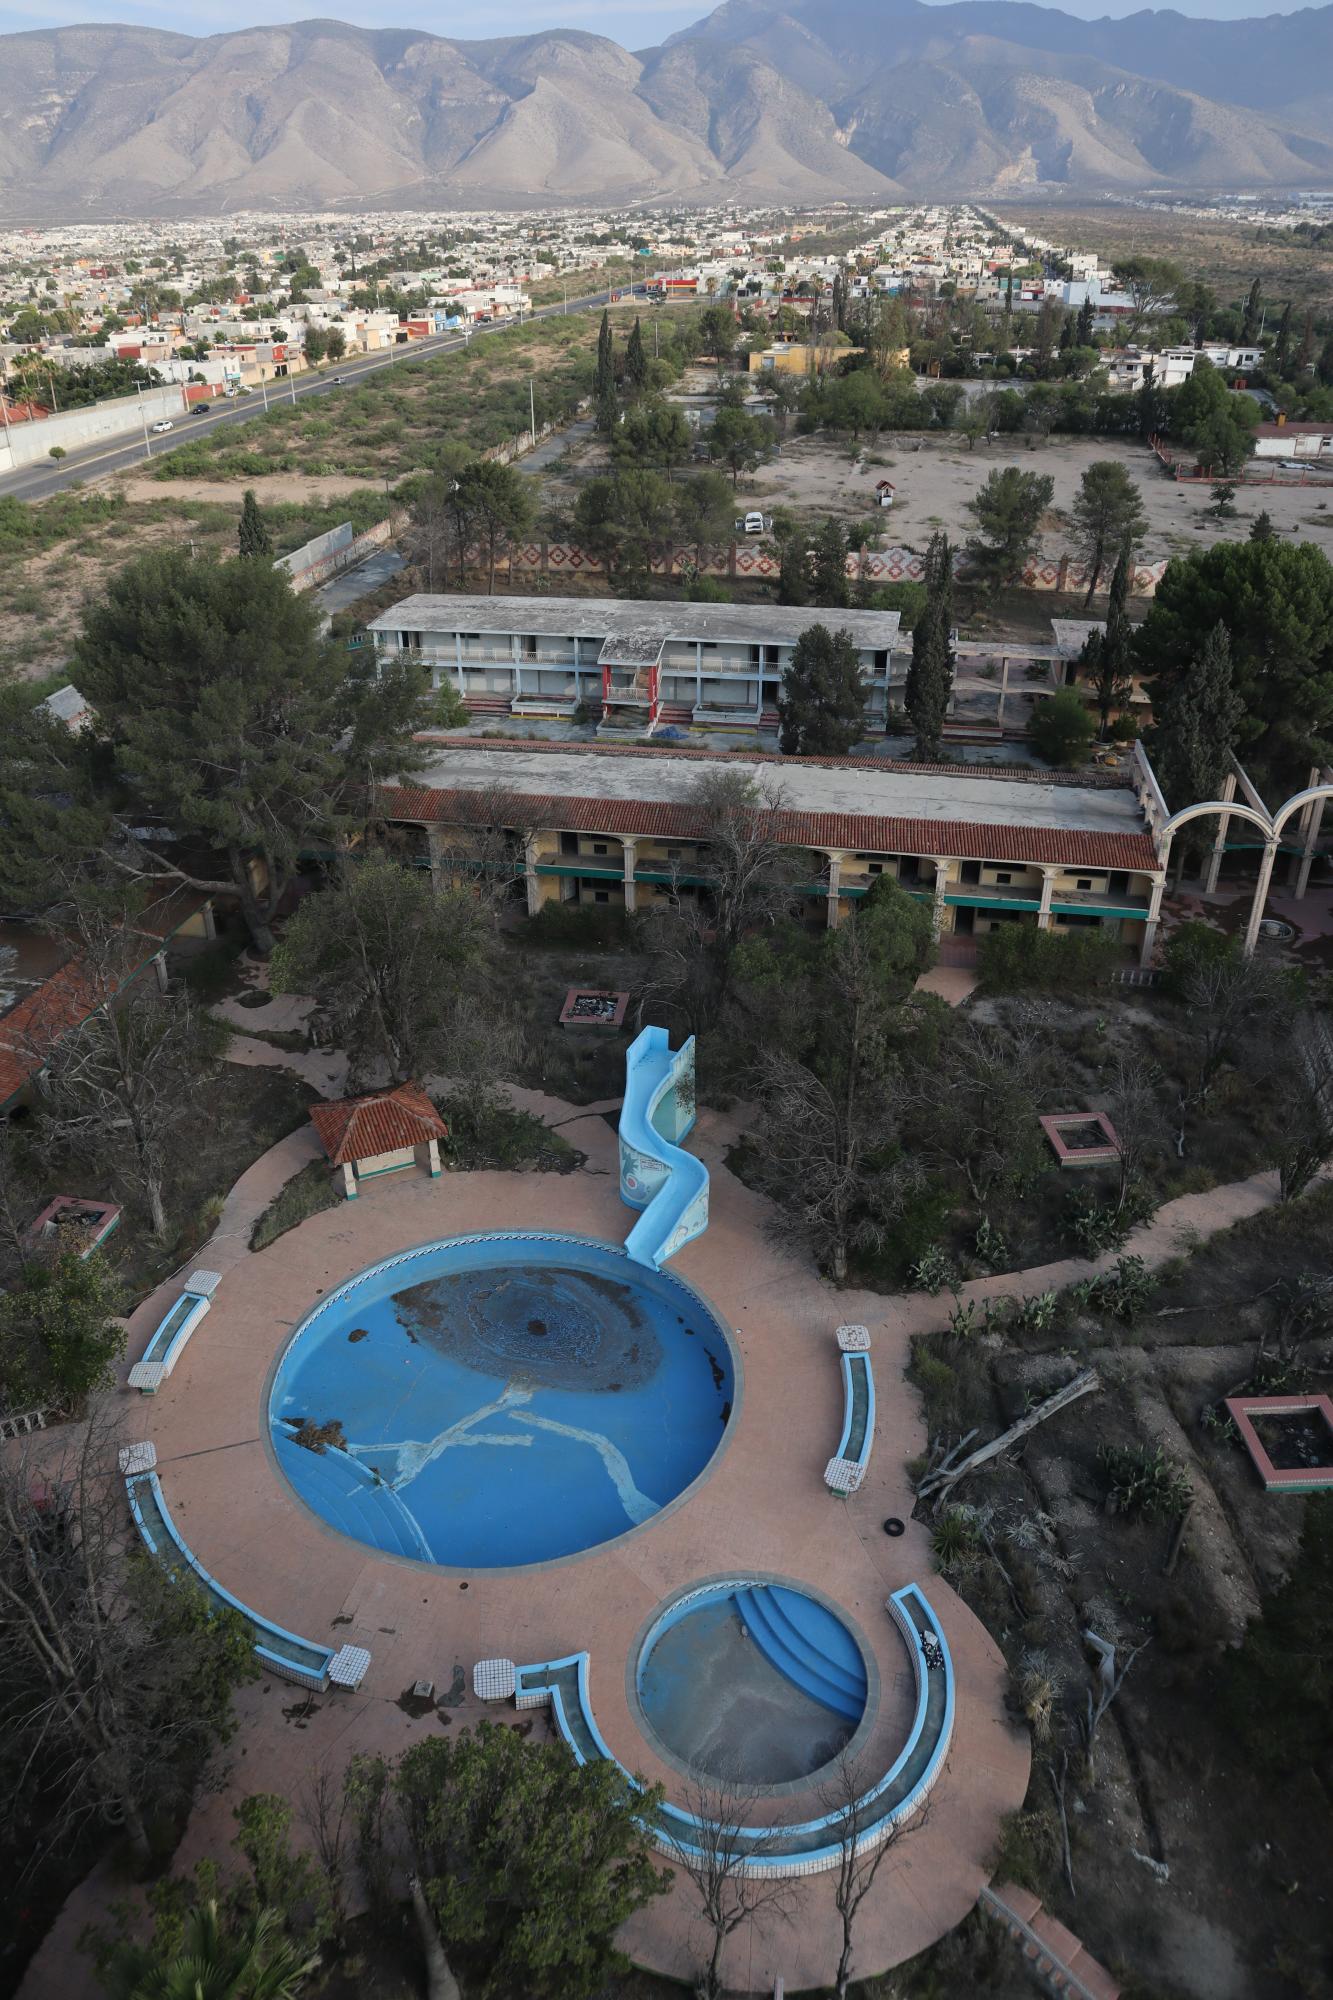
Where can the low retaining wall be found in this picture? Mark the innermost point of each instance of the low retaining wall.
(739, 560)
(119, 417)
(331, 553)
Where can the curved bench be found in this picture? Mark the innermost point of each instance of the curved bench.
(657, 1175)
(293, 1659)
(813, 1847)
(847, 1467)
(173, 1332)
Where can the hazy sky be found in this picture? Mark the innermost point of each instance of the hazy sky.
(636, 23)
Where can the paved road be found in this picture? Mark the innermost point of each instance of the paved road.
(340, 591)
(37, 482)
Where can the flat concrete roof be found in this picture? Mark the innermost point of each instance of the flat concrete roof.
(631, 617)
(1072, 634)
(946, 794)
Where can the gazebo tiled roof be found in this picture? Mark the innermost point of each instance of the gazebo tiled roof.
(359, 1128)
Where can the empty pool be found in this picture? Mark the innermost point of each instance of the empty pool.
(754, 1683)
(491, 1401)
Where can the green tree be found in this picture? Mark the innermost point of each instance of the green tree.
(625, 518)
(1223, 506)
(1250, 318)
(636, 360)
(529, 1861)
(498, 500)
(930, 676)
(337, 343)
(229, 719)
(737, 439)
(821, 703)
(209, 1955)
(1106, 663)
(1063, 729)
(386, 956)
(855, 403)
(795, 582)
(316, 344)
(1276, 600)
(59, 1336)
(828, 566)
(252, 535)
(1107, 511)
(1153, 286)
(703, 508)
(653, 433)
(1007, 511)
(1261, 528)
(1196, 723)
(604, 378)
(1275, 1688)
(717, 331)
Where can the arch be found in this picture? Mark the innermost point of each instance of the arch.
(1308, 797)
(1237, 809)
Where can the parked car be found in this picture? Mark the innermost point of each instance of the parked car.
(165, 424)
(199, 410)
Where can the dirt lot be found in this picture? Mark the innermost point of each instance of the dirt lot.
(936, 478)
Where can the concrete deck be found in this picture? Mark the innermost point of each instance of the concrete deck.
(762, 1506)
(944, 794)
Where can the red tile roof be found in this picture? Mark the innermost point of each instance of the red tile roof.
(866, 833)
(359, 1128)
(71, 994)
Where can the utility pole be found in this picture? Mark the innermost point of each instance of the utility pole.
(532, 410)
(143, 419)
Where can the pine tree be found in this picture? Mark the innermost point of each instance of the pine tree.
(794, 570)
(1262, 529)
(604, 379)
(1305, 355)
(1084, 335)
(252, 536)
(1107, 660)
(636, 360)
(930, 676)
(821, 703)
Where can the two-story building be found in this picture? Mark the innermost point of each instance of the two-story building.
(635, 662)
(627, 829)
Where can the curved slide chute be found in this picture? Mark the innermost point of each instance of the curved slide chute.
(657, 1175)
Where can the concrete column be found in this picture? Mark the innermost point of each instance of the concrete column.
(1048, 876)
(349, 1181)
(834, 874)
(160, 968)
(434, 842)
(433, 1158)
(209, 921)
(1154, 913)
(630, 847)
(1305, 860)
(1260, 895)
(1219, 844)
(938, 906)
(531, 879)
(1004, 690)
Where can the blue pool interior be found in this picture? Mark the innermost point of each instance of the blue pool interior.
(493, 1401)
(756, 1683)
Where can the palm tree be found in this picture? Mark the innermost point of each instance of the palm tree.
(216, 1959)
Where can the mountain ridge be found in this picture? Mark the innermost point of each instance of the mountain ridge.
(759, 101)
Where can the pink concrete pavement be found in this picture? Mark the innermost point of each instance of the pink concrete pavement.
(761, 1506)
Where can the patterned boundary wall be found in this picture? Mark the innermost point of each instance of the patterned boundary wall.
(329, 554)
(741, 560)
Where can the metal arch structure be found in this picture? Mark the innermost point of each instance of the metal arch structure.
(1269, 824)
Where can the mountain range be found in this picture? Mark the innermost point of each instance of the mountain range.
(756, 101)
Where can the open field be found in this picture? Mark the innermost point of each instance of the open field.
(1226, 255)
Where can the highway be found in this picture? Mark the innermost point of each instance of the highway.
(38, 482)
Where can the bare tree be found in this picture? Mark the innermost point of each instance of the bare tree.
(482, 849)
(120, 1061)
(744, 876)
(115, 1679)
(975, 1106)
(1137, 1110)
(1228, 1002)
(1107, 1682)
(723, 1859)
(1302, 1082)
(853, 1818)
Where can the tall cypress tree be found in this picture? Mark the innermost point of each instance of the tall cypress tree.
(252, 536)
(1195, 725)
(636, 360)
(930, 676)
(1107, 659)
(604, 380)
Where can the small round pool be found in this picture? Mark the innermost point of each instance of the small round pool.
(754, 1683)
(490, 1401)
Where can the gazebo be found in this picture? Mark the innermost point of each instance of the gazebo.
(380, 1134)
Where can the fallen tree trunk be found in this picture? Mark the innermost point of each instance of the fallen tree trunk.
(946, 1476)
(440, 1981)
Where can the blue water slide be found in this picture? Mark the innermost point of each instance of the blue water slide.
(657, 1175)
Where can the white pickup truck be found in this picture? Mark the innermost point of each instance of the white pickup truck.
(754, 524)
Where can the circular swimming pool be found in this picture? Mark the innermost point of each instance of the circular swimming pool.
(490, 1401)
(751, 1681)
